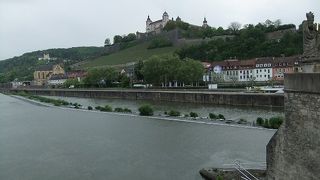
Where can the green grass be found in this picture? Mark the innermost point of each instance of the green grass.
(133, 54)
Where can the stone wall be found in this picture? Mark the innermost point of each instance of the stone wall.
(217, 98)
(294, 151)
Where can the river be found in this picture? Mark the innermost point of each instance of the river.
(50, 143)
(230, 112)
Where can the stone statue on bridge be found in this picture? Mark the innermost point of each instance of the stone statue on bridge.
(311, 37)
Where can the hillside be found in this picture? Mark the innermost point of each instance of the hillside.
(133, 54)
(22, 67)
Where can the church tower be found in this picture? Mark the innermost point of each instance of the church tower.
(205, 23)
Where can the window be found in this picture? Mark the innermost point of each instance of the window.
(260, 70)
(240, 77)
(268, 70)
(250, 71)
(257, 71)
(265, 70)
(265, 76)
(240, 71)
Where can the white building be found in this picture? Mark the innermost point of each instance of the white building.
(158, 25)
(46, 57)
(263, 70)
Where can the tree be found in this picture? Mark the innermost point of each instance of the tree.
(101, 77)
(277, 23)
(138, 70)
(235, 27)
(117, 39)
(107, 42)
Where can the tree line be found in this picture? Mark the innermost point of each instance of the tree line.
(157, 70)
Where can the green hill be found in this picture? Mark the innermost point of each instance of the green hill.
(133, 54)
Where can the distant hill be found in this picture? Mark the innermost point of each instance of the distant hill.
(22, 67)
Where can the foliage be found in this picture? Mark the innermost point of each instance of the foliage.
(242, 121)
(106, 108)
(163, 69)
(117, 39)
(250, 42)
(159, 42)
(146, 110)
(174, 113)
(260, 121)
(71, 82)
(220, 116)
(138, 70)
(102, 77)
(213, 116)
(275, 122)
(118, 109)
(90, 108)
(193, 114)
(107, 42)
(127, 110)
(22, 67)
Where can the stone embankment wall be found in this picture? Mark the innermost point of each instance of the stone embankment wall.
(217, 98)
(294, 151)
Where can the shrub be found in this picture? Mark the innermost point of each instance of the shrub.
(90, 108)
(107, 108)
(213, 116)
(174, 113)
(56, 104)
(260, 121)
(193, 114)
(186, 115)
(220, 116)
(275, 122)
(98, 108)
(146, 110)
(266, 123)
(242, 121)
(126, 110)
(118, 109)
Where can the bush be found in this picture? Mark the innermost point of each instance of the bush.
(266, 123)
(193, 114)
(98, 108)
(56, 104)
(275, 122)
(260, 121)
(186, 115)
(126, 110)
(213, 116)
(242, 121)
(146, 110)
(174, 113)
(90, 108)
(118, 109)
(107, 108)
(220, 116)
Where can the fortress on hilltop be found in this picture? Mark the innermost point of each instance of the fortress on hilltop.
(157, 26)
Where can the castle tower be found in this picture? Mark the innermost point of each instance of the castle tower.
(165, 17)
(205, 23)
(148, 22)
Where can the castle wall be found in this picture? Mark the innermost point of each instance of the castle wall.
(294, 151)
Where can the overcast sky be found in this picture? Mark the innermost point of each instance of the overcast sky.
(29, 25)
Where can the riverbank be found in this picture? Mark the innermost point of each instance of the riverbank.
(200, 120)
(198, 97)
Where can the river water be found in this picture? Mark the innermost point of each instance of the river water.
(50, 143)
(230, 112)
